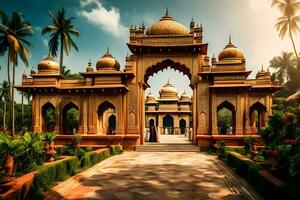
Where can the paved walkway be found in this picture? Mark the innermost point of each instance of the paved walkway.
(151, 176)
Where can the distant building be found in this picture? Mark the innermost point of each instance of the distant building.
(170, 113)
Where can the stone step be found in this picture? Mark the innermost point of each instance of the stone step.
(167, 148)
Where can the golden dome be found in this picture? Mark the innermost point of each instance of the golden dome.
(230, 52)
(168, 90)
(185, 96)
(107, 62)
(166, 26)
(48, 66)
(150, 97)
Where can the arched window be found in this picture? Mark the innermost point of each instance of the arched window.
(106, 118)
(48, 117)
(182, 124)
(168, 124)
(257, 116)
(70, 118)
(111, 124)
(226, 118)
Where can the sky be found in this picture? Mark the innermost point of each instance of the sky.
(104, 23)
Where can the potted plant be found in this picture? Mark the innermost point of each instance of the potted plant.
(10, 147)
(50, 146)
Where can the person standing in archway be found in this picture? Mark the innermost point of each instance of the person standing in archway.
(153, 136)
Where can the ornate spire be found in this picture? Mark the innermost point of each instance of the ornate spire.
(107, 49)
(167, 16)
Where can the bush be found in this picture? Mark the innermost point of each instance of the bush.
(60, 170)
(115, 150)
(294, 170)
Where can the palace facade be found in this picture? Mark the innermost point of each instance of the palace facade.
(169, 113)
(111, 103)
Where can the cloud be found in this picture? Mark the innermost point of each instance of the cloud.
(108, 20)
(45, 42)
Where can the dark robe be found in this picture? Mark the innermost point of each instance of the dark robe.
(153, 136)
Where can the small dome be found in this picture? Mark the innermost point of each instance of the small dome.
(150, 97)
(168, 90)
(166, 26)
(231, 52)
(185, 96)
(107, 62)
(48, 66)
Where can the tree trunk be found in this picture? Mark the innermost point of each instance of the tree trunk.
(13, 102)
(295, 50)
(61, 53)
(4, 115)
(9, 86)
(22, 108)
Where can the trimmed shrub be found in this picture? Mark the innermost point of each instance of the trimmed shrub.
(115, 150)
(49, 175)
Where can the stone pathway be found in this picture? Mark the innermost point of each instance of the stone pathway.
(152, 176)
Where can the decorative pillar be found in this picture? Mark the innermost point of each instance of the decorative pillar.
(247, 128)
(214, 114)
(91, 115)
(238, 115)
(36, 117)
(57, 127)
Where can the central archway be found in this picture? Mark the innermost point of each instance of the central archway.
(160, 66)
(173, 70)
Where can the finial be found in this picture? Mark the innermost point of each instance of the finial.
(90, 63)
(143, 24)
(167, 12)
(107, 49)
(192, 19)
(229, 39)
(213, 55)
(262, 68)
(168, 81)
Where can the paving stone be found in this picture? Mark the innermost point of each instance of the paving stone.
(154, 175)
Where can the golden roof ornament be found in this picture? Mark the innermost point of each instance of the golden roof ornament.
(231, 52)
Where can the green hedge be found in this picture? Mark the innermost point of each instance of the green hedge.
(49, 175)
(251, 172)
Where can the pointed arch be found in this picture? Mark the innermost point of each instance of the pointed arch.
(257, 115)
(48, 117)
(107, 120)
(70, 118)
(226, 118)
(165, 64)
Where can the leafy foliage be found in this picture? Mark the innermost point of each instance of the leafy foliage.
(61, 30)
(49, 136)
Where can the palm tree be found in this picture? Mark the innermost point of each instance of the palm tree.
(13, 33)
(61, 30)
(285, 66)
(27, 96)
(288, 23)
(4, 95)
(22, 106)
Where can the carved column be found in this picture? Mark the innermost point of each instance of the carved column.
(91, 115)
(36, 117)
(214, 115)
(238, 117)
(57, 127)
(247, 128)
(202, 110)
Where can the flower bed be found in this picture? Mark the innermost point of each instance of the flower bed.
(47, 176)
(269, 186)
